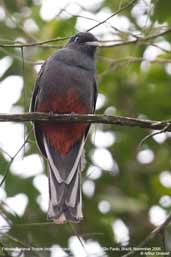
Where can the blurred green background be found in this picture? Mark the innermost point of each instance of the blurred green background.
(126, 189)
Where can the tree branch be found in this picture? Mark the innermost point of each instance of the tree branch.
(88, 118)
(19, 45)
(140, 40)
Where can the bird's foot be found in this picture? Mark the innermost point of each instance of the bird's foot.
(51, 114)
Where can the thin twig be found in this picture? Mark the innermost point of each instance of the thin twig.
(5, 253)
(151, 236)
(138, 40)
(12, 159)
(79, 238)
(19, 45)
(24, 90)
(153, 134)
(114, 14)
(5, 152)
(134, 59)
(97, 21)
(23, 244)
(163, 239)
(35, 224)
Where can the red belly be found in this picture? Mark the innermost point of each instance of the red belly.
(62, 136)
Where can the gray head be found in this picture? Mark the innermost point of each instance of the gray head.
(83, 42)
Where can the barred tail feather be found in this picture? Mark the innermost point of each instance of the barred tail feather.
(65, 202)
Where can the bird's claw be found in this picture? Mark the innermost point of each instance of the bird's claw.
(51, 114)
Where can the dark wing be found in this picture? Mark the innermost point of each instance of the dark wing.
(95, 93)
(95, 99)
(37, 128)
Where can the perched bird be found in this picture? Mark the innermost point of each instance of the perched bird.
(66, 84)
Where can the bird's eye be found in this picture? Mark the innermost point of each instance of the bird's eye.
(76, 39)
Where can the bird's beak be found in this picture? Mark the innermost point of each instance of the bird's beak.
(93, 43)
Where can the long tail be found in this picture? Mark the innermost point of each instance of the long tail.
(65, 201)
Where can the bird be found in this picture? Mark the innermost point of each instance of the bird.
(66, 84)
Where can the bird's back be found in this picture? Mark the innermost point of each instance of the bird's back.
(66, 84)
